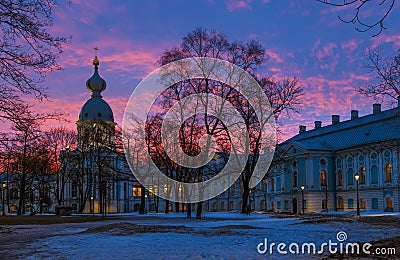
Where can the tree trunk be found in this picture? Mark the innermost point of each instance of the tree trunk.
(142, 200)
(245, 197)
(21, 202)
(199, 210)
(189, 211)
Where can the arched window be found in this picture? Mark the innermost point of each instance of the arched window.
(223, 208)
(375, 202)
(350, 177)
(388, 173)
(350, 203)
(264, 184)
(340, 203)
(215, 206)
(374, 174)
(294, 179)
(363, 203)
(389, 204)
(278, 184)
(362, 175)
(340, 178)
(272, 185)
(263, 206)
(322, 177)
(232, 205)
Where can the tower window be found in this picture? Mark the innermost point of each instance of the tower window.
(86, 114)
(99, 114)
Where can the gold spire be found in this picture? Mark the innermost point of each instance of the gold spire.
(96, 61)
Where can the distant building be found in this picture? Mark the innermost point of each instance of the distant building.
(325, 160)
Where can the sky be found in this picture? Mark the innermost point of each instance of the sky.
(301, 38)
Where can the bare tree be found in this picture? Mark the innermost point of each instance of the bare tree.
(387, 73)
(249, 56)
(28, 143)
(27, 51)
(60, 141)
(361, 8)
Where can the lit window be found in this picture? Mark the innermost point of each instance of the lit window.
(137, 191)
(264, 185)
(263, 205)
(322, 177)
(388, 173)
(362, 175)
(340, 178)
(363, 204)
(389, 203)
(340, 204)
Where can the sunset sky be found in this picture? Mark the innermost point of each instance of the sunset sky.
(302, 38)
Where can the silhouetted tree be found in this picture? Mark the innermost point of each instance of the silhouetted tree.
(249, 56)
(362, 7)
(60, 141)
(27, 51)
(387, 74)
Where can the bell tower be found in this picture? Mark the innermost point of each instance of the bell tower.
(96, 126)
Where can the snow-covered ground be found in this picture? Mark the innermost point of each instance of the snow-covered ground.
(217, 236)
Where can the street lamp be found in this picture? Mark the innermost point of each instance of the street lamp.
(302, 197)
(92, 206)
(41, 205)
(4, 185)
(357, 177)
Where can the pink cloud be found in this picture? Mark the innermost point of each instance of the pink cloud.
(326, 55)
(233, 5)
(390, 39)
(274, 56)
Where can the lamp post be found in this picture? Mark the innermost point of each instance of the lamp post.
(302, 197)
(92, 206)
(4, 185)
(357, 177)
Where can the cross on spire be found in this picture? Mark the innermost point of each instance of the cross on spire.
(96, 60)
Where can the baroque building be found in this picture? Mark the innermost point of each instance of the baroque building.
(314, 170)
(321, 164)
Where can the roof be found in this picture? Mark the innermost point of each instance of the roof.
(96, 109)
(373, 128)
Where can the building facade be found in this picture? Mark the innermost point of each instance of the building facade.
(313, 171)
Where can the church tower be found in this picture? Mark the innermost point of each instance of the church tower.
(96, 126)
